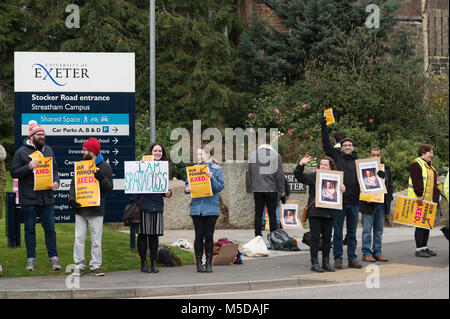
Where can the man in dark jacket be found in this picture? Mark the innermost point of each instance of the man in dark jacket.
(373, 215)
(345, 162)
(91, 216)
(265, 168)
(36, 203)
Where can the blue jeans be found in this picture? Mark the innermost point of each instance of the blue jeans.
(278, 213)
(373, 222)
(47, 217)
(350, 213)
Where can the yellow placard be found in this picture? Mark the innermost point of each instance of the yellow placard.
(266, 217)
(377, 198)
(87, 188)
(408, 212)
(328, 113)
(36, 155)
(199, 182)
(43, 174)
(149, 158)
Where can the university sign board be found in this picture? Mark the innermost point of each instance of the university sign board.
(74, 96)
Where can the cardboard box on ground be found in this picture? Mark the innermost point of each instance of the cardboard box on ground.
(226, 255)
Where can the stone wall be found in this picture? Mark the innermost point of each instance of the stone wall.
(237, 203)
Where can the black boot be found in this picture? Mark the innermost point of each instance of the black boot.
(209, 263)
(199, 261)
(144, 266)
(315, 266)
(154, 266)
(209, 251)
(326, 264)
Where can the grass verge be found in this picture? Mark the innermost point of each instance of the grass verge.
(117, 255)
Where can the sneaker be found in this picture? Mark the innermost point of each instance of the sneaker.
(422, 253)
(432, 253)
(97, 272)
(354, 264)
(78, 272)
(30, 265)
(54, 264)
(338, 264)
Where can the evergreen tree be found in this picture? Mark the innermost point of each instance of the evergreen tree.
(317, 27)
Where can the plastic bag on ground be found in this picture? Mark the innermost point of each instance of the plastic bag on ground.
(255, 248)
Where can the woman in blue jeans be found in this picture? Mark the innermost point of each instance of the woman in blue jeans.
(205, 211)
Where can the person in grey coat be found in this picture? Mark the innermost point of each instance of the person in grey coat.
(266, 175)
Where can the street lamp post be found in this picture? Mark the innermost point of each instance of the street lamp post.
(152, 71)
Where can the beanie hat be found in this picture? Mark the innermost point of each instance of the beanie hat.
(92, 145)
(34, 128)
(347, 139)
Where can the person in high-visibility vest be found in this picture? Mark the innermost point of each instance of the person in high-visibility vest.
(423, 186)
(446, 187)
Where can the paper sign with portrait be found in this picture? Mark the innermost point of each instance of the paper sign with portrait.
(289, 215)
(369, 181)
(328, 184)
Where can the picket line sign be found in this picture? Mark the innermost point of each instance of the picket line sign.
(146, 177)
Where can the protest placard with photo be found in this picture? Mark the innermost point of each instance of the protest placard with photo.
(146, 177)
(289, 215)
(369, 181)
(328, 194)
(87, 187)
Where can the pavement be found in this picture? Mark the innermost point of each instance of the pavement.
(279, 270)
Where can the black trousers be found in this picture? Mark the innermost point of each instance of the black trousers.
(147, 241)
(269, 200)
(320, 227)
(204, 234)
(421, 236)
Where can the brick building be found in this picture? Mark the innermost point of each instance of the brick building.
(410, 17)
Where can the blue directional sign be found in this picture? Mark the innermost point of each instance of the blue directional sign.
(75, 96)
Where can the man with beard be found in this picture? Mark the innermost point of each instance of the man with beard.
(36, 203)
(91, 216)
(345, 162)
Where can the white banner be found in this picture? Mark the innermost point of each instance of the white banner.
(146, 177)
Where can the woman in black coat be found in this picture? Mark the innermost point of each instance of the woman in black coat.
(151, 225)
(320, 219)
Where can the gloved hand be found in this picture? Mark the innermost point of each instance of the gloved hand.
(74, 205)
(381, 174)
(99, 176)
